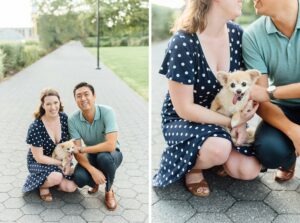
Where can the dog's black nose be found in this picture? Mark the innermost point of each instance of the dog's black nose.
(238, 91)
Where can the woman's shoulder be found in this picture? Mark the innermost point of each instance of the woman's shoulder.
(183, 38)
(35, 125)
(63, 115)
(234, 27)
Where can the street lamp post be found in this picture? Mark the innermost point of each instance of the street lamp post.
(98, 37)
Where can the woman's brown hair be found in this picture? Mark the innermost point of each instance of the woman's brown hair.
(46, 92)
(193, 17)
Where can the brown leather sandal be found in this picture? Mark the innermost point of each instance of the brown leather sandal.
(94, 189)
(199, 189)
(46, 197)
(285, 175)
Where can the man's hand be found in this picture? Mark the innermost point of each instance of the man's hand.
(97, 176)
(259, 93)
(294, 136)
(240, 133)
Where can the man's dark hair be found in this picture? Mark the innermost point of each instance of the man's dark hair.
(84, 84)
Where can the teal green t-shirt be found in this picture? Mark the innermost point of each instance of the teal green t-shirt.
(92, 134)
(269, 51)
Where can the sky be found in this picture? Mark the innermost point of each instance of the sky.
(168, 3)
(15, 13)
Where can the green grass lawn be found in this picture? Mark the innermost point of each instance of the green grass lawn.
(129, 63)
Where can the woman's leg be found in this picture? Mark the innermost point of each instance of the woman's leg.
(214, 151)
(53, 179)
(241, 166)
(67, 185)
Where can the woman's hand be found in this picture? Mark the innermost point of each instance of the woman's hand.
(77, 149)
(240, 133)
(245, 115)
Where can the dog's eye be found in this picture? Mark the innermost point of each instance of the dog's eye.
(244, 84)
(232, 85)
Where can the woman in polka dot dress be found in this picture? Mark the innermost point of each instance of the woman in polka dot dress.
(48, 129)
(205, 42)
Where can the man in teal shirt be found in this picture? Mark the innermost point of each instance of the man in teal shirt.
(272, 45)
(96, 126)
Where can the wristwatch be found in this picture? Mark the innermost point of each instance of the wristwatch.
(271, 91)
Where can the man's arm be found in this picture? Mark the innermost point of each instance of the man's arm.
(272, 114)
(260, 94)
(108, 146)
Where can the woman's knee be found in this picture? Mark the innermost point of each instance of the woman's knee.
(218, 149)
(241, 167)
(55, 178)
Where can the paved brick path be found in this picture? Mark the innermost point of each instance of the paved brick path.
(63, 69)
(260, 200)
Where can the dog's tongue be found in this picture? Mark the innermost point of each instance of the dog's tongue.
(235, 99)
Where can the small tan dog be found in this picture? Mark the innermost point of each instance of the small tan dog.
(234, 96)
(62, 151)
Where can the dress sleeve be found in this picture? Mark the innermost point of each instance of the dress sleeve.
(179, 62)
(34, 135)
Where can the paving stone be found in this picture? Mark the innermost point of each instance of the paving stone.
(52, 215)
(268, 180)
(32, 197)
(92, 215)
(134, 215)
(114, 219)
(5, 187)
(217, 201)
(73, 198)
(284, 202)
(248, 190)
(55, 203)
(91, 203)
(209, 218)
(127, 193)
(138, 180)
(30, 219)
(175, 191)
(143, 198)
(7, 179)
(123, 184)
(287, 218)
(16, 192)
(72, 209)
(3, 197)
(7, 215)
(32, 208)
(72, 219)
(128, 203)
(171, 211)
(249, 211)
(145, 208)
(14, 202)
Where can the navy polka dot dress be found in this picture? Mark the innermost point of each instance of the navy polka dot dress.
(185, 63)
(38, 136)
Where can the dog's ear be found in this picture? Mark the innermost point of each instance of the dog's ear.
(254, 74)
(222, 76)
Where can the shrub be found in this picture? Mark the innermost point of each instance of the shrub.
(30, 54)
(12, 60)
(2, 55)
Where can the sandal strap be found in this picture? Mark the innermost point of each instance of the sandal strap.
(195, 171)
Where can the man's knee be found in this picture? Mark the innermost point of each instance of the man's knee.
(81, 176)
(105, 161)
